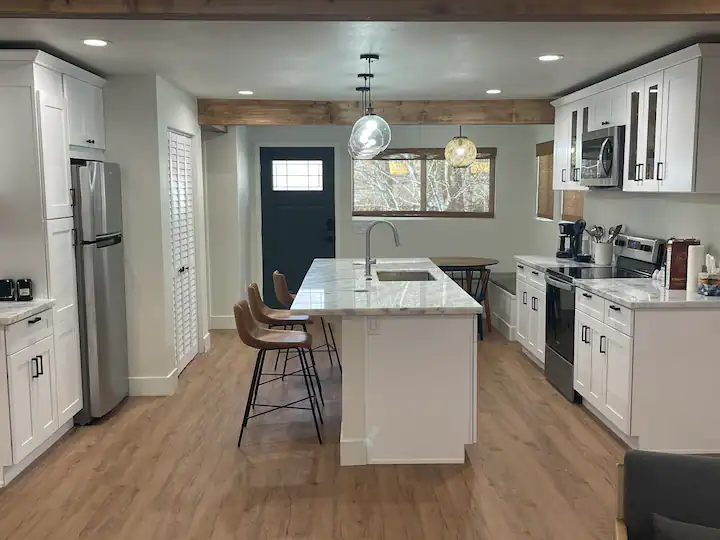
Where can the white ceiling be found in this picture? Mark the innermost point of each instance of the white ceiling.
(320, 60)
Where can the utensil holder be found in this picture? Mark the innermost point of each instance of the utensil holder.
(603, 253)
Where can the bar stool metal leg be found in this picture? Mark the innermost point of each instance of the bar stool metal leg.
(307, 377)
(337, 354)
(250, 398)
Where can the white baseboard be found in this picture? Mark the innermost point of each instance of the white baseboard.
(443, 461)
(207, 345)
(154, 386)
(8, 474)
(222, 322)
(352, 451)
(632, 442)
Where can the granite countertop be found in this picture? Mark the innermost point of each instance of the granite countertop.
(642, 293)
(541, 263)
(338, 287)
(12, 312)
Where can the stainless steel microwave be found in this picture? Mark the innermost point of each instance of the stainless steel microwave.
(602, 157)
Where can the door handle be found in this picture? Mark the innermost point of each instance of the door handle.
(602, 340)
(182, 269)
(586, 295)
(525, 298)
(641, 167)
(35, 373)
(521, 267)
(660, 170)
(42, 366)
(614, 308)
(562, 175)
(583, 337)
(35, 320)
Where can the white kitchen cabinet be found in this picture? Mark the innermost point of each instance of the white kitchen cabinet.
(536, 330)
(572, 121)
(582, 365)
(33, 416)
(523, 313)
(87, 121)
(561, 149)
(675, 166)
(608, 108)
(68, 371)
(54, 156)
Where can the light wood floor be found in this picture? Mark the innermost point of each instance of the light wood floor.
(168, 468)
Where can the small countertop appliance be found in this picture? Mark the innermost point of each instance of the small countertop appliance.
(570, 240)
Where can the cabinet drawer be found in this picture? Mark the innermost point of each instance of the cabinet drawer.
(28, 331)
(522, 270)
(536, 278)
(619, 317)
(590, 303)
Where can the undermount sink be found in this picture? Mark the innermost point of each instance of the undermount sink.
(404, 275)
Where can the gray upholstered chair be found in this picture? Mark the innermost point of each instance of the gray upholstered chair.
(679, 487)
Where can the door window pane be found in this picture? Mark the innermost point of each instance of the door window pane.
(297, 175)
(652, 98)
(634, 126)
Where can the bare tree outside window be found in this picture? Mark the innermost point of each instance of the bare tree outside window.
(420, 182)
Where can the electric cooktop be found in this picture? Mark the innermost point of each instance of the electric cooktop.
(594, 272)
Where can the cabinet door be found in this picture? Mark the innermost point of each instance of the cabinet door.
(617, 351)
(79, 96)
(579, 125)
(532, 336)
(97, 129)
(608, 108)
(634, 135)
(61, 268)
(55, 162)
(540, 312)
(675, 169)
(561, 149)
(523, 312)
(598, 363)
(33, 416)
(68, 372)
(582, 367)
(652, 109)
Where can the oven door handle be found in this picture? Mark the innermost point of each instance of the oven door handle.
(559, 284)
(601, 161)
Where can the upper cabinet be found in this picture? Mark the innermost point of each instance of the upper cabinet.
(671, 116)
(85, 112)
(608, 108)
(54, 156)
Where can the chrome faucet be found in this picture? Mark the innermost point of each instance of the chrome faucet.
(368, 260)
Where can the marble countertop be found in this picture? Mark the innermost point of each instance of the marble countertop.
(338, 287)
(641, 293)
(12, 312)
(541, 263)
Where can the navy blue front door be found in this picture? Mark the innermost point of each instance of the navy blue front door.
(298, 212)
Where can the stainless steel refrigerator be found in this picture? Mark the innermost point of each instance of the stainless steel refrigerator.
(101, 287)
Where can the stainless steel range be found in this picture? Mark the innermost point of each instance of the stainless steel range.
(636, 258)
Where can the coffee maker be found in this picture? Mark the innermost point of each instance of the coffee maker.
(570, 240)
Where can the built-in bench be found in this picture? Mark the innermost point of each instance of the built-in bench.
(501, 292)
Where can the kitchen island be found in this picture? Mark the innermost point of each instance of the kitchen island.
(408, 343)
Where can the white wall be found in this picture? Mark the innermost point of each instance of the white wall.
(509, 233)
(545, 232)
(138, 111)
(227, 184)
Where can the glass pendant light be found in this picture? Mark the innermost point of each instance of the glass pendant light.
(371, 133)
(460, 152)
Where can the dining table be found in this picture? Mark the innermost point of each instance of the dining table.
(468, 265)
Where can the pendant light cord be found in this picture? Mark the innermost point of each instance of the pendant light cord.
(369, 109)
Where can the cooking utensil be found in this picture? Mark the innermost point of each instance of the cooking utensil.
(595, 233)
(614, 232)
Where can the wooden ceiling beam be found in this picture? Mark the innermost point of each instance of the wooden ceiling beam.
(292, 113)
(367, 10)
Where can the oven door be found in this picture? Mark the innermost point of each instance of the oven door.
(560, 318)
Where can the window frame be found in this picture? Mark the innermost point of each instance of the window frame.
(422, 155)
(544, 149)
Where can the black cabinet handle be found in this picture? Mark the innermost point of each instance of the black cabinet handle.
(521, 267)
(562, 175)
(659, 170)
(602, 340)
(586, 295)
(42, 366)
(34, 369)
(525, 298)
(35, 320)
(536, 273)
(182, 269)
(583, 334)
(614, 308)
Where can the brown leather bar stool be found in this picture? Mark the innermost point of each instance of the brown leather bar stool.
(286, 298)
(279, 317)
(265, 340)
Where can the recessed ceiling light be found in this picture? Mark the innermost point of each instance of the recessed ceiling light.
(550, 57)
(245, 92)
(95, 42)
(493, 91)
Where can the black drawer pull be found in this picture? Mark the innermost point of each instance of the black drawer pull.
(35, 320)
(521, 267)
(614, 308)
(525, 298)
(42, 367)
(34, 367)
(536, 273)
(586, 295)
(603, 339)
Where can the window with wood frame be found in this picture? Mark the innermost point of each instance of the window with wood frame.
(420, 183)
(573, 205)
(545, 194)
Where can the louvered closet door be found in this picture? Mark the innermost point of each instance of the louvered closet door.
(180, 171)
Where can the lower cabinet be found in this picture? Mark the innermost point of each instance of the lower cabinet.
(603, 369)
(68, 371)
(530, 328)
(31, 385)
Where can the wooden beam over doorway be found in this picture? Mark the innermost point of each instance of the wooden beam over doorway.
(368, 10)
(290, 113)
